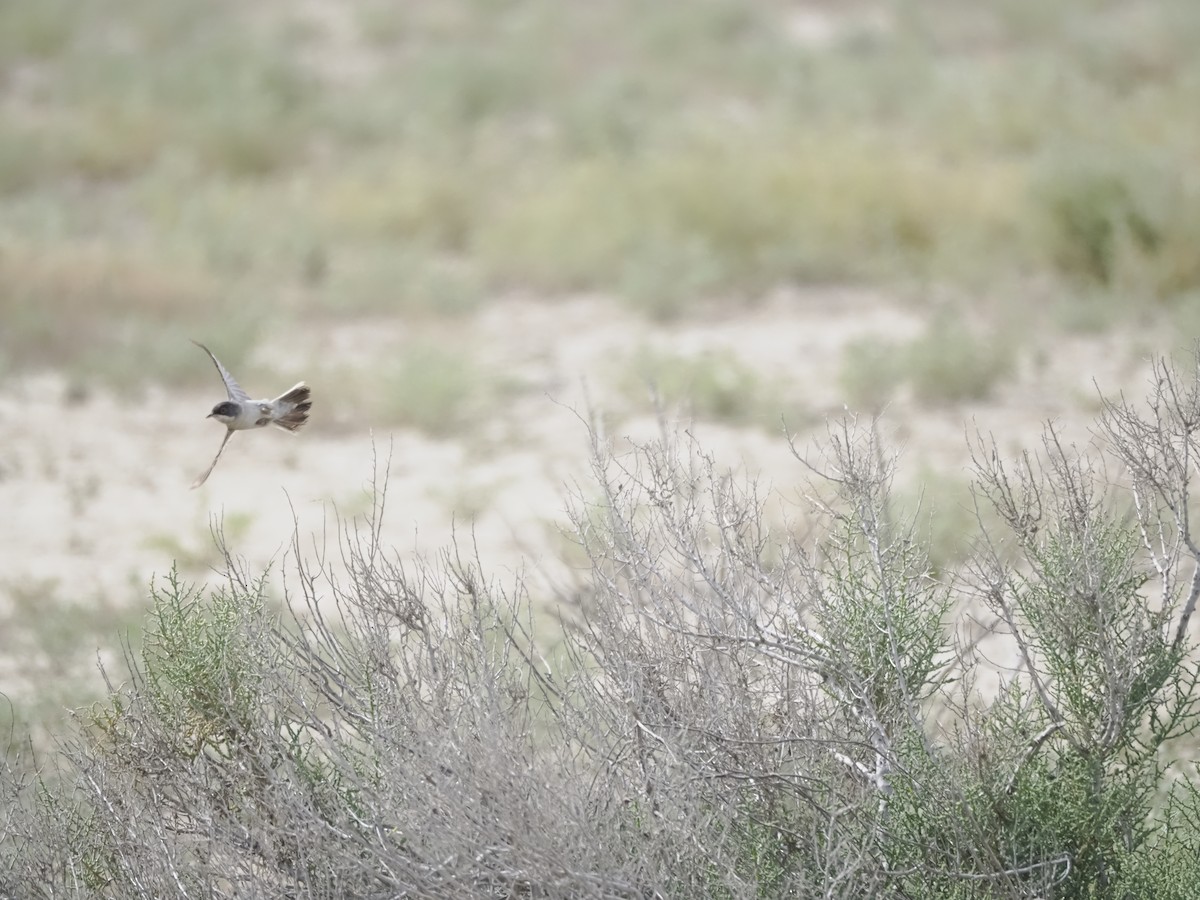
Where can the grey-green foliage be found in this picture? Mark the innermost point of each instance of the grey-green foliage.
(730, 708)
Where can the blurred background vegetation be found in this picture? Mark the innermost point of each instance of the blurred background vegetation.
(166, 165)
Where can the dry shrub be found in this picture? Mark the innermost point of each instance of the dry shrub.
(726, 711)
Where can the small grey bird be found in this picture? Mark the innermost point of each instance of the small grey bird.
(289, 410)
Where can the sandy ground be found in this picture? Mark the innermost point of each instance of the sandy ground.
(95, 491)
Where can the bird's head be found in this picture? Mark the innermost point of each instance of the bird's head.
(225, 412)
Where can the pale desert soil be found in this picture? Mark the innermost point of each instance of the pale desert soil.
(95, 491)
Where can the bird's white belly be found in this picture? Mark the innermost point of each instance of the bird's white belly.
(253, 415)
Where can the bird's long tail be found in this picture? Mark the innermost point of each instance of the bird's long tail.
(293, 407)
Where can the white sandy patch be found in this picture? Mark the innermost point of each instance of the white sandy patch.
(96, 499)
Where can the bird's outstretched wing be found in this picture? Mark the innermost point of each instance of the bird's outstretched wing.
(234, 389)
(204, 475)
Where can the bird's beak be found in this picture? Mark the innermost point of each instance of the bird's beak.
(209, 416)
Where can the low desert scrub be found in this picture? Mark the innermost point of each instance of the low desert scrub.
(725, 711)
(950, 363)
(1127, 221)
(385, 279)
(429, 386)
(197, 553)
(162, 85)
(716, 386)
(739, 212)
(954, 362)
(869, 375)
(106, 315)
(396, 159)
(50, 641)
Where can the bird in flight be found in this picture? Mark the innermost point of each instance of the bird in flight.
(289, 410)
